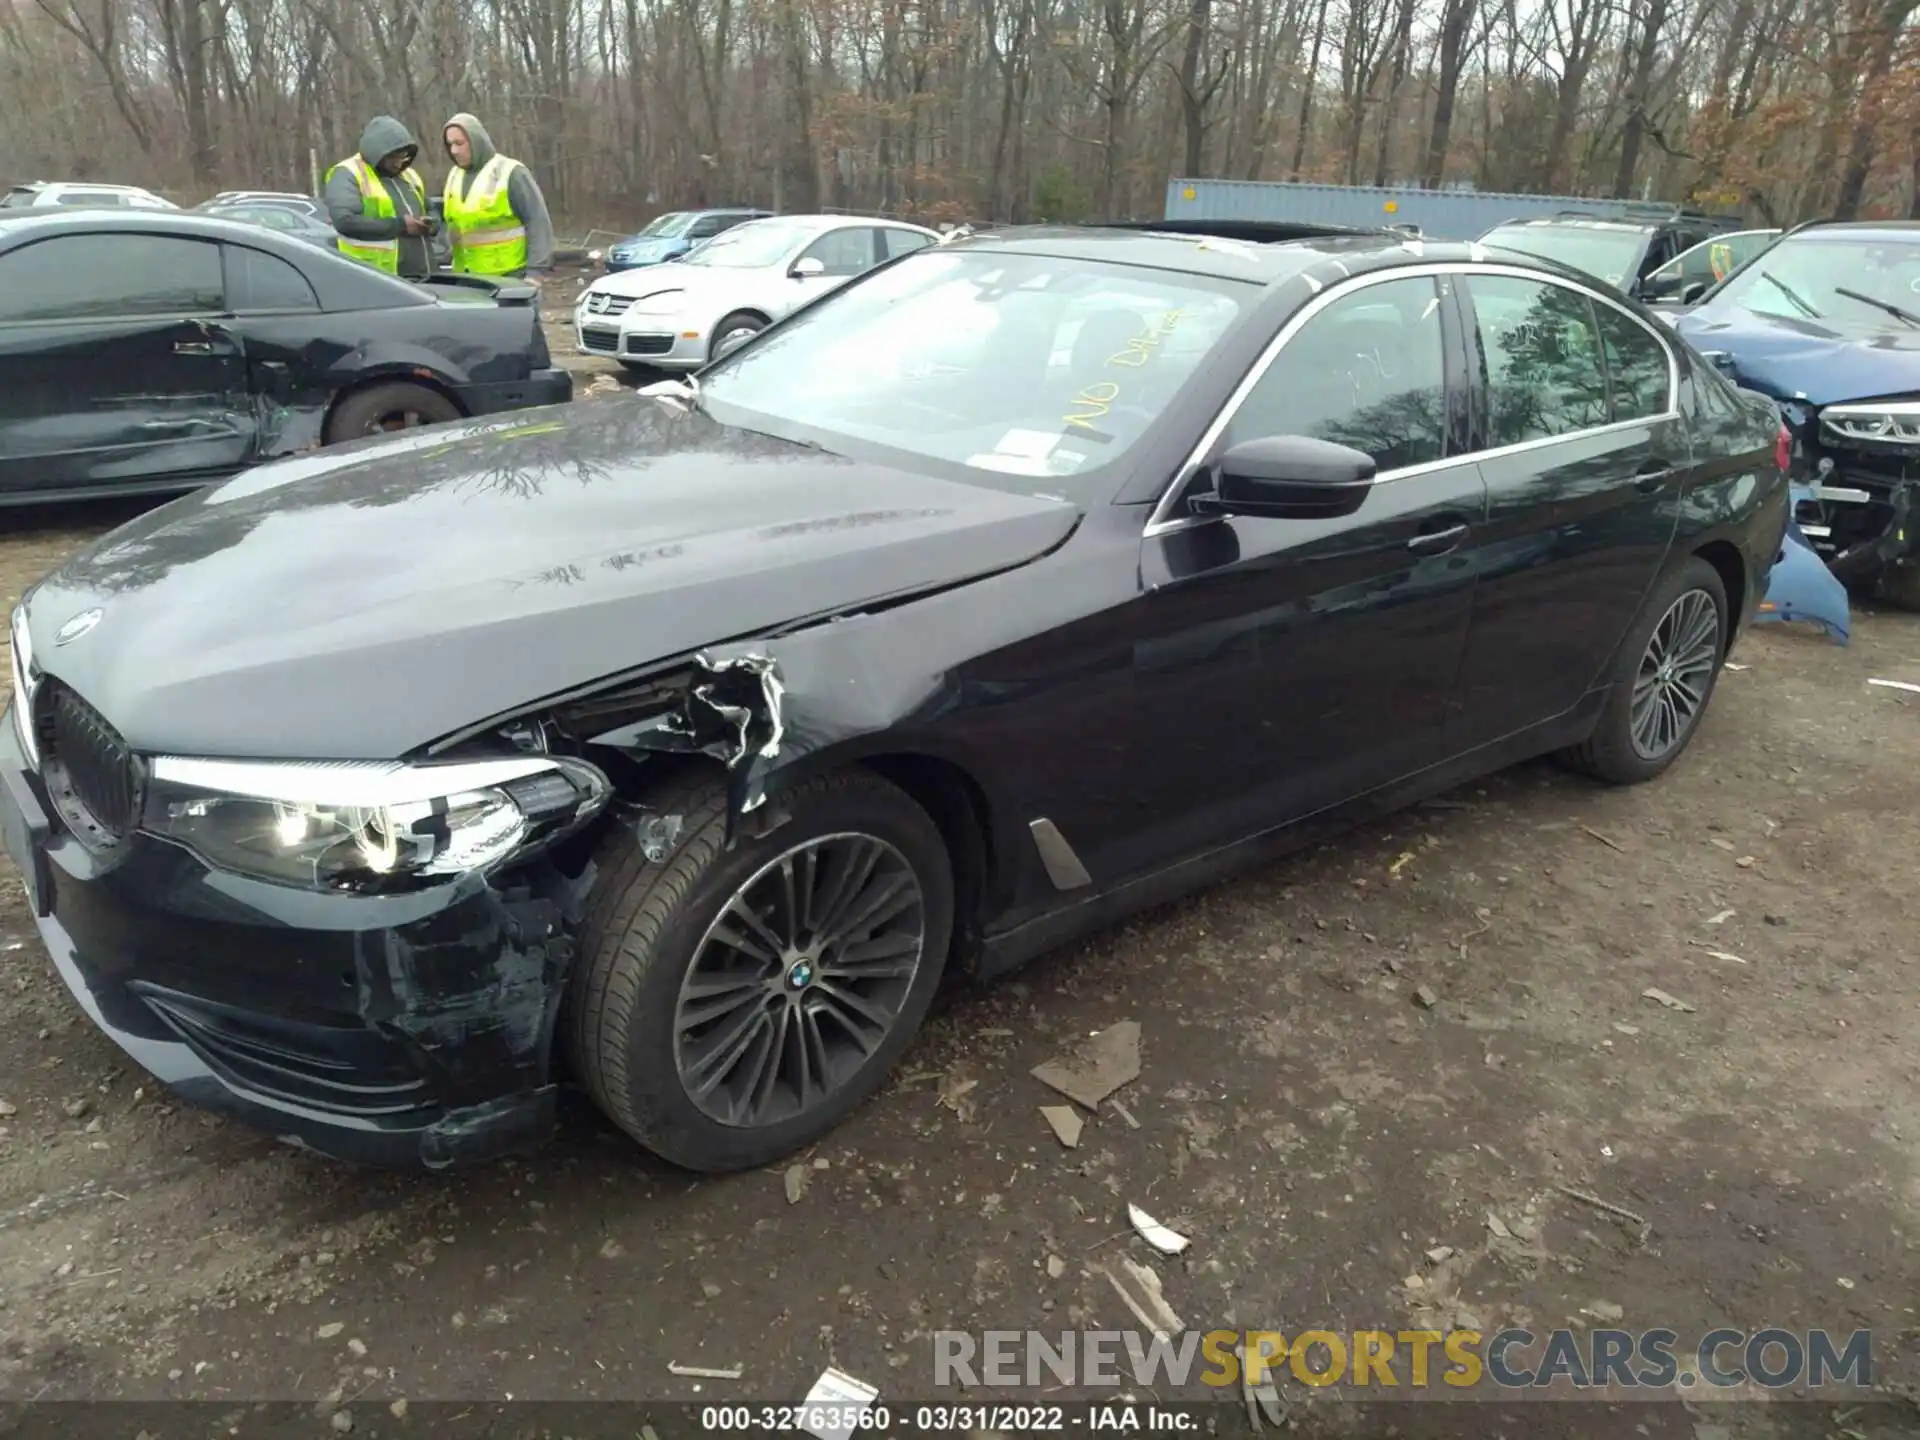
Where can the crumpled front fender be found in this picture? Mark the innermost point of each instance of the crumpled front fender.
(1802, 587)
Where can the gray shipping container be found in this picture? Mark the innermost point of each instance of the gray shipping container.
(1438, 214)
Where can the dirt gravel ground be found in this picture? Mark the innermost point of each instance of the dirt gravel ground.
(1303, 1113)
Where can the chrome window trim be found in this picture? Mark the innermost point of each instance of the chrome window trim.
(1160, 522)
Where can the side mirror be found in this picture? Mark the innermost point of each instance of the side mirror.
(1290, 477)
(807, 266)
(1692, 292)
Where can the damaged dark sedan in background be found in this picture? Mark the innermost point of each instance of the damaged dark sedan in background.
(147, 352)
(1827, 323)
(680, 745)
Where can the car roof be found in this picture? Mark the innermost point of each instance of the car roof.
(1585, 222)
(1857, 229)
(199, 224)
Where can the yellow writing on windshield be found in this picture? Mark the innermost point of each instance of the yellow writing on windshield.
(1096, 400)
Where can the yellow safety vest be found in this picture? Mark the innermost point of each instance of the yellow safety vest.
(488, 238)
(374, 200)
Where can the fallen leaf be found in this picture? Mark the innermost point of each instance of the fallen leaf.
(1651, 993)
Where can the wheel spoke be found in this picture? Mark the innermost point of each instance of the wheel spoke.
(854, 872)
(883, 900)
(707, 1000)
(770, 947)
(722, 1054)
(865, 1026)
(881, 958)
(768, 1065)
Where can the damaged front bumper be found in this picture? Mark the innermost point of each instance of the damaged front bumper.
(1853, 499)
(402, 1030)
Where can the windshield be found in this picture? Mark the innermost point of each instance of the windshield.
(1815, 277)
(667, 226)
(1609, 255)
(1010, 364)
(756, 243)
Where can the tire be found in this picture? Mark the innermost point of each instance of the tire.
(1679, 603)
(648, 924)
(1900, 586)
(373, 410)
(740, 320)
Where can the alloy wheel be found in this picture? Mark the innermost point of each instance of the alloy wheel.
(393, 420)
(1670, 690)
(799, 979)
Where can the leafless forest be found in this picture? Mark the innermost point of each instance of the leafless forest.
(990, 109)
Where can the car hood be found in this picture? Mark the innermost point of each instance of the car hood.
(1822, 361)
(364, 601)
(669, 275)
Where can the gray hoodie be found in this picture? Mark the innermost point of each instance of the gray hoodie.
(523, 193)
(382, 137)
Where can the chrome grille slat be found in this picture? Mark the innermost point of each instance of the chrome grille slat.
(99, 768)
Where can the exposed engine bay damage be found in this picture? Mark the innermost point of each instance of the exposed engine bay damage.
(760, 706)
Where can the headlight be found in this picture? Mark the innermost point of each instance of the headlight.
(1891, 422)
(377, 826)
(664, 302)
(26, 679)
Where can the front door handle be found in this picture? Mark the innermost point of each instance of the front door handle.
(1438, 542)
(1652, 475)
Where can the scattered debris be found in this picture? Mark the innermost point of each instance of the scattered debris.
(1126, 1115)
(1396, 866)
(1095, 1069)
(398, 1409)
(1597, 1203)
(1723, 842)
(1626, 1029)
(1167, 1242)
(1731, 665)
(1845, 1284)
(78, 1109)
(1414, 1282)
(1721, 918)
(1717, 954)
(1424, 997)
(710, 1289)
(329, 1330)
(1439, 1253)
(7, 1108)
(1056, 1267)
(1745, 862)
(706, 1372)
(342, 1421)
(843, 1404)
(797, 1178)
(1605, 1310)
(611, 1249)
(1066, 1123)
(1498, 1226)
(953, 1094)
(1606, 840)
(358, 1347)
(1150, 1306)
(1671, 1002)
(1897, 685)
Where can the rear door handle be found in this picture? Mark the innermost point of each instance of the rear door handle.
(1438, 542)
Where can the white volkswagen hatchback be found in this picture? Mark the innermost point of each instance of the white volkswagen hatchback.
(680, 315)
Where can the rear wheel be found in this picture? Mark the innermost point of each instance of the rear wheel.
(732, 1006)
(1662, 680)
(378, 409)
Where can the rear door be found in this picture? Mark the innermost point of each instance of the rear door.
(1585, 457)
(117, 366)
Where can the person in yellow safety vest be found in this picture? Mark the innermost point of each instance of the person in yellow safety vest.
(378, 203)
(495, 214)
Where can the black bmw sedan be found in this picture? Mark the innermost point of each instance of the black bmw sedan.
(679, 746)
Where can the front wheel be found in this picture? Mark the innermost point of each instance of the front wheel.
(736, 329)
(1662, 680)
(732, 1006)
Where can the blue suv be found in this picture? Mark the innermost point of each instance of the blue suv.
(672, 235)
(1827, 322)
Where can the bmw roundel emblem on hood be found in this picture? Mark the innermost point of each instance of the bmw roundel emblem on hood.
(77, 626)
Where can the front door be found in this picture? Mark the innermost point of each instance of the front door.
(117, 366)
(1585, 460)
(1282, 666)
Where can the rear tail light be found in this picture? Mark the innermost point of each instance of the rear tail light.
(1783, 449)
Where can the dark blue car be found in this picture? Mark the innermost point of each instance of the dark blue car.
(672, 235)
(1827, 322)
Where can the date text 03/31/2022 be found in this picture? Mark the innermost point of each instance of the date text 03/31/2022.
(847, 1420)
